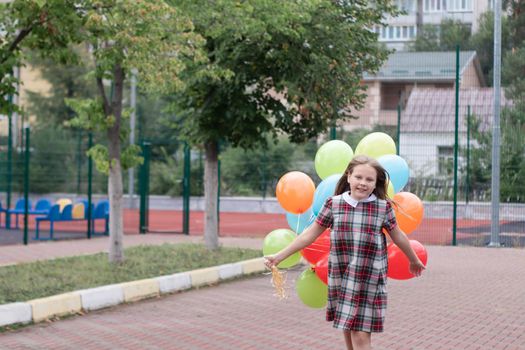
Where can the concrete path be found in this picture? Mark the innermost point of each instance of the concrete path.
(469, 298)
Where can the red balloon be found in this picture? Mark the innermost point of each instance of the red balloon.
(315, 251)
(314, 254)
(324, 238)
(321, 268)
(398, 264)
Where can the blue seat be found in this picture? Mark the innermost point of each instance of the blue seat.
(52, 216)
(102, 212)
(2, 210)
(18, 209)
(42, 206)
(66, 214)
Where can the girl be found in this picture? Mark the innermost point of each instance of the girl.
(357, 214)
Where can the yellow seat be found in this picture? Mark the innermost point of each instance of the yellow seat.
(78, 211)
(62, 202)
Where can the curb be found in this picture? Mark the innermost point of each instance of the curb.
(42, 309)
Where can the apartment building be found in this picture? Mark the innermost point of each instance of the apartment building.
(402, 30)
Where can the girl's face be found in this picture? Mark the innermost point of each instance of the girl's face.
(362, 181)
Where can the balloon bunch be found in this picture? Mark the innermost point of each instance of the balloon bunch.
(302, 201)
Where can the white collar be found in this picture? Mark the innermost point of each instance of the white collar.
(354, 202)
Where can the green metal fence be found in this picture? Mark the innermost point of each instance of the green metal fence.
(437, 106)
(439, 110)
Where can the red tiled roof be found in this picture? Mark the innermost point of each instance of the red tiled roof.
(433, 110)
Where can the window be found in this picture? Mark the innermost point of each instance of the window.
(411, 32)
(435, 5)
(398, 33)
(409, 6)
(460, 5)
(445, 160)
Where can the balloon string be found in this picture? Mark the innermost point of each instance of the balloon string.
(298, 221)
(312, 216)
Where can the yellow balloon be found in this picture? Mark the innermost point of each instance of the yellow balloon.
(375, 145)
(390, 191)
(332, 158)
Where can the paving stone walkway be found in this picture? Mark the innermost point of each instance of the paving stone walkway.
(469, 298)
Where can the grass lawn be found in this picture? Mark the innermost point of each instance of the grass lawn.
(28, 281)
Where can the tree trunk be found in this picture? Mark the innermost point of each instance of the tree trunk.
(116, 232)
(419, 17)
(211, 221)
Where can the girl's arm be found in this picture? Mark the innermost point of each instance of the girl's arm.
(303, 240)
(401, 240)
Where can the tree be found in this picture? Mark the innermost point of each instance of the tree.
(274, 67)
(427, 39)
(444, 37)
(454, 32)
(483, 42)
(147, 35)
(66, 81)
(512, 142)
(47, 26)
(516, 10)
(255, 171)
(512, 157)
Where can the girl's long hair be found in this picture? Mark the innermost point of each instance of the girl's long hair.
(381, 181)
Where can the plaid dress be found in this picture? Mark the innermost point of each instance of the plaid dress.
(357, 265)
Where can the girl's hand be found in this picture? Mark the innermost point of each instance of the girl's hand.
(416, 268)
(271, 260)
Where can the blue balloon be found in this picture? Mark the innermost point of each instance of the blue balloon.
(324, 191)
(298, 222)
(397, 169)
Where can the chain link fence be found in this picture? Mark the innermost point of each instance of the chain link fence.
(442, 132)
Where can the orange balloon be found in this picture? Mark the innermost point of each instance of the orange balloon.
(295, 192)
(409, 211)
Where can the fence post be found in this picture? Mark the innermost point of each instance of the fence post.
(9, 163)
(456, 124)
(186, 190)
(218, 193)
(79, 158)
(496, 131)
(467, 185)
(26, 184)
(263, 164)
(333, 133)
(90, 188)
(144, 185)
(398, 126)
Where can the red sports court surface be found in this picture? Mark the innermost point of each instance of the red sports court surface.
(431, 231)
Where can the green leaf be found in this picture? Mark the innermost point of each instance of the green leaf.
(40, 3)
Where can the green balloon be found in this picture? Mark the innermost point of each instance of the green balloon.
(276, 241)
(311, 290)
(332, 158)
(375, 145)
